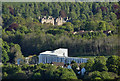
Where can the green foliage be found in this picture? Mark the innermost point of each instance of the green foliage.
(69, 26)
(106, 70)
(102, 26)
(105, 75)
(23, 34)
(95, 74)
(15, 53)
(82, 65)
(37, 37)
(118, 65)
(91, 25)
(5, 51)
(36, 76)
(41, 71)
(4, 75)
(23, 29)
(73, 15)
(101, 75)
(11, 68)
(113, 64)
(5, 57)
(100, 61)
(25, 67)
(89, 65)
(34, 60)
(55, 31)
(74, 66)
(72, 62)
(19, 75)
(68, 74)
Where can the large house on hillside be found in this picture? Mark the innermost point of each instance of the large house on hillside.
(53, 21)
(59, 55)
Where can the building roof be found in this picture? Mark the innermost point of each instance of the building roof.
(57, 52)
(48, 53)
(77, 57)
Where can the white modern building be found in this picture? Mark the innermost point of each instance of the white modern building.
(59, 55)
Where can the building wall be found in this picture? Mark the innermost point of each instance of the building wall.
(49, 59)
(50, 19)
(59, 21)
(61, 52)
(59, 55)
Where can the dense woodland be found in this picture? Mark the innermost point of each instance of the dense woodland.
(24, 35)
(108, 70)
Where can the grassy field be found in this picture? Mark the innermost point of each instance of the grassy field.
(90, 56)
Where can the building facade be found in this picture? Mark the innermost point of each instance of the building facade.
(50, 19)
(53, 21)
(59, 55)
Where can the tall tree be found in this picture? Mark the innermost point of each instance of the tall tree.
(112, 64)
(100, 61)
(5, 51)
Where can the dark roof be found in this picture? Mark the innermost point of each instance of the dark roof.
(73, 64)
(58, 63)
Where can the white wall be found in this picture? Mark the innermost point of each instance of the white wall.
(61, 52)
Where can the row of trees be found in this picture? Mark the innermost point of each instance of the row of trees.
(74, 10)
(11, 52)
(33, 43)
(87, 16)
(103, 68)
(75, 25)
(99, 67)
(40, 71)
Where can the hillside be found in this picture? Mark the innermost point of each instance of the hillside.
(92, 29)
